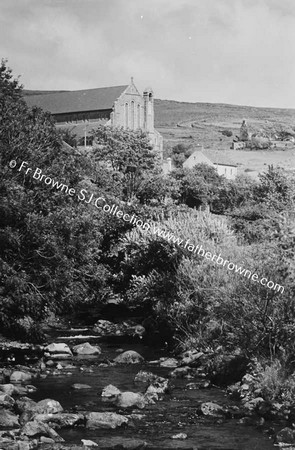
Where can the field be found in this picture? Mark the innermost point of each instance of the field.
(201, 124)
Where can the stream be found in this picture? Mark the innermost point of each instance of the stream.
(155, 424)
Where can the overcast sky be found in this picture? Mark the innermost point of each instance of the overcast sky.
(229, 51)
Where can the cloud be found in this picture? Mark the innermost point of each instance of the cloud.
(238, 51)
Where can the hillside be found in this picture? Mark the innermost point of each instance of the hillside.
(200, 124)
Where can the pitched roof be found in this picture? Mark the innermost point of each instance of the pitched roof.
(219, 157)
(77, 101)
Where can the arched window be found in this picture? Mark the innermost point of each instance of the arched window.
(126, 116)
(132, 112)
(138, 116)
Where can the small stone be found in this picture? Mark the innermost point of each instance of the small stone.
(59, 348)
(80, 386)
(110, 393)
(211, 409)
(88, 443)
(179, 436)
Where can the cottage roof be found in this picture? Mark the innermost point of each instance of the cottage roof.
(77, 101)
(219, 157)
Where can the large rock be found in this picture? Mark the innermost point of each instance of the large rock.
(86, 349)
(168, 362)
(286, 436)
(9, 389)
(30, 409)
(252, 405)
(48, 406)
(105, 327)
(59, 348)
(227, 369)
(110, 393)
(60, 420)
(18, 376)
(192, 358)
(211, 409)
(25, 404)
(105, 420)
(130, 400)
(129, 357)
(6, 401)
(8, 419)
(145, 377)
(160, 386)
(36, 429)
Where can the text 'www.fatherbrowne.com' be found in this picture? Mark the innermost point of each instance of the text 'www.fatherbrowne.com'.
(101, 204)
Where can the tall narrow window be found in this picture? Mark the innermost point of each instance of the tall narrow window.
(126, 116)
(132, 115)
(138, 116)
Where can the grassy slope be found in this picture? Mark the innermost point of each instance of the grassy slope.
(198, 124)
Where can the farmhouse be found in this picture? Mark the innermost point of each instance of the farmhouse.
(116, 106)
(216, 159)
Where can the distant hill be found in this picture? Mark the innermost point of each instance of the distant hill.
(203, 123)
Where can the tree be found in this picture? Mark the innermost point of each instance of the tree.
(128, 153)
(198, 185)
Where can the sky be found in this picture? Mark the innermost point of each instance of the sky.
(218, 51)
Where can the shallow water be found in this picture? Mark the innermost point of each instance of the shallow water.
(175, 414)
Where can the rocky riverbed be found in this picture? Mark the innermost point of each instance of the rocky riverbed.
(89, 389)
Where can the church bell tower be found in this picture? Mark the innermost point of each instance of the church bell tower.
(148, 97)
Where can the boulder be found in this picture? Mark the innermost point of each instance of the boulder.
(145, 377)
(79, 386)
(252, 405)
(6, 401)
(59, 348)
(130, 400)
(105, 420)
(18, 376)
(35, 429)
(211, 409)
(227, 369)
(180, 372)
(86, 349)
(192, 358)
(60, 420)
(160, 386)
(168, 362)
(8, 389)
(129, 357)
(25, 404)
(48, 406)
(286, 436)
(8, 419)
(105, 327)
(110, 393)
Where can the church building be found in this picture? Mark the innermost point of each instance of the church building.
(116, 106)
